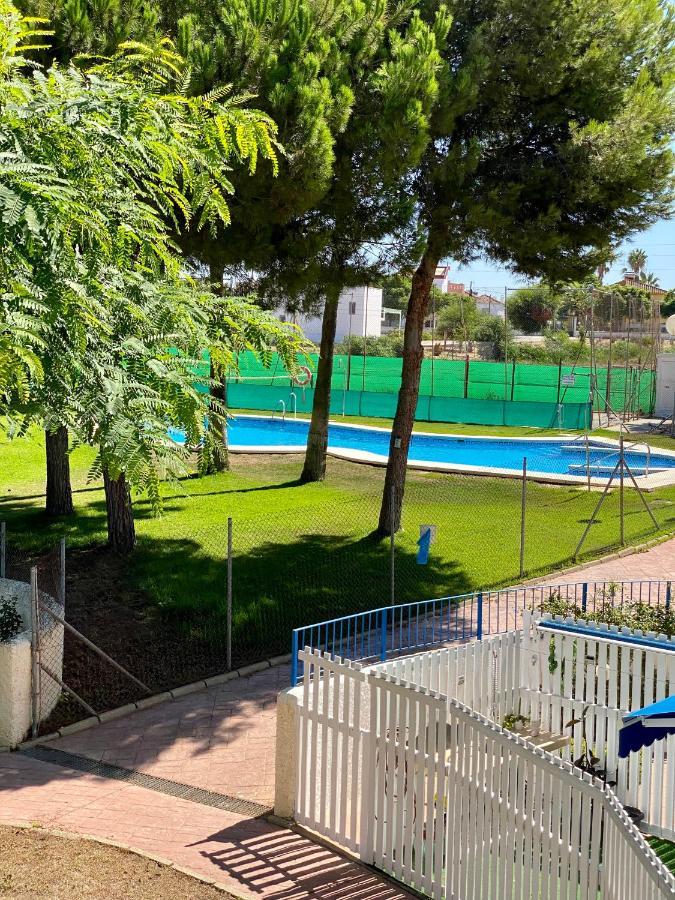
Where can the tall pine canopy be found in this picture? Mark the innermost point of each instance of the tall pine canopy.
(551, 143)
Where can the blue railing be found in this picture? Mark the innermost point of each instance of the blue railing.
(378, 634)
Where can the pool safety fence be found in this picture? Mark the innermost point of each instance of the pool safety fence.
(628, 389)
(474, 411)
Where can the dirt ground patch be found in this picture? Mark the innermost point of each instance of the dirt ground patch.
(35, 864)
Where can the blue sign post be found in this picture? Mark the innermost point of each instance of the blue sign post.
(423, 545)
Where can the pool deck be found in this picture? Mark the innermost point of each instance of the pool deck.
(646, 482)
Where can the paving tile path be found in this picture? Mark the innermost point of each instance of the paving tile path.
(221, 739)
(657, 564)
(248, 857)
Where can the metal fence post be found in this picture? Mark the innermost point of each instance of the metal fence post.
(584, 596)
(229, 595)
(62, 572)
(3, 548)
(622, 464)
(479, 617)
(392, 552)
(383, 636)
(294, 658)
(523, 506)
(668, 591)
(36, 694)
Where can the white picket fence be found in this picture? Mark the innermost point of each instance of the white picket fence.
(449, 803)
(554, 678)
(484, 675)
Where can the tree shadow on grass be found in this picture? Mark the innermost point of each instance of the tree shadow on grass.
(162, 613)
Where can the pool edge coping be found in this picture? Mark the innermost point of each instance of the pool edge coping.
(648, 482)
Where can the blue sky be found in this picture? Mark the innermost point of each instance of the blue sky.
(658, 242)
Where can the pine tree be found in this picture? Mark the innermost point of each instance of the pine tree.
(551, 142)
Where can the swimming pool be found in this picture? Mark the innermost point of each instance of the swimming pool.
(564, 459)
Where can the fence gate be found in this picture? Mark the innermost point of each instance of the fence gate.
(371, 768)
(333, 797)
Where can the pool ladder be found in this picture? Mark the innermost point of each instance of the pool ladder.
(283, 411)
(610, 451)
(283, 408)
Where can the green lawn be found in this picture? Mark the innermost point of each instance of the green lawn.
(308, 552)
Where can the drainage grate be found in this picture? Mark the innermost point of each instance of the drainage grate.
(151, 782)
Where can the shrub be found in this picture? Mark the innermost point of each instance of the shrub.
(11, 623)
(637, 616)
(386, 345)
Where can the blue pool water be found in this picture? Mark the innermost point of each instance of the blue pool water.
(551, 456)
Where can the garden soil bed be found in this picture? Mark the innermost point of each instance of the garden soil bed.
(34, 863)
(160, 651)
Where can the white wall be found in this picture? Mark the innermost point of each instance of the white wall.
(364, 321)
(15, 667)
(665, 384)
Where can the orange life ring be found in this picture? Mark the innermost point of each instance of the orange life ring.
(305, 380)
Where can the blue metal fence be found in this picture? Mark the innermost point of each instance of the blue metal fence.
(378, 634)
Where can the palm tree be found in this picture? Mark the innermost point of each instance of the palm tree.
(637, 261)
(649, 279)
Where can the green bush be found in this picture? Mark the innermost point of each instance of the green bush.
(386, 345)
(635, 615)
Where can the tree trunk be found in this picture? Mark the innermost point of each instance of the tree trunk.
(413, 354)
(59, 493)
(121, 529)
(219, 460)
(317, 440)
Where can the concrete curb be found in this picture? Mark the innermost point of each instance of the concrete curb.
(118, 845)
(155, 700)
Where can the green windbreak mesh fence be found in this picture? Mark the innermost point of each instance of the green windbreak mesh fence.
(429, 409)
(629, 388)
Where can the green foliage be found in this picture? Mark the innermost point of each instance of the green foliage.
(458, 317)
(386, 345)
(94, 167)
(637, 261)
(10, 620)
(668, 304)
(544, 158)
(631, 614)
(395, 290)
(532, 308)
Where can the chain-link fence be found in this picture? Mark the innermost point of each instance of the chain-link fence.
(184, 608)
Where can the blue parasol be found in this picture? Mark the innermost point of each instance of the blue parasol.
(644, 726)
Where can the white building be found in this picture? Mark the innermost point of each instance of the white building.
(488, 304)
(360, 313)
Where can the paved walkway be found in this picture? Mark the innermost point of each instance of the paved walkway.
(249, 857)
(221, 739)
(657, 564)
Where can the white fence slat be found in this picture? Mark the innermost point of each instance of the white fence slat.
(445, 800)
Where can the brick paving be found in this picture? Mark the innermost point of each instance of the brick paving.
(657, 564)
(221, 739)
